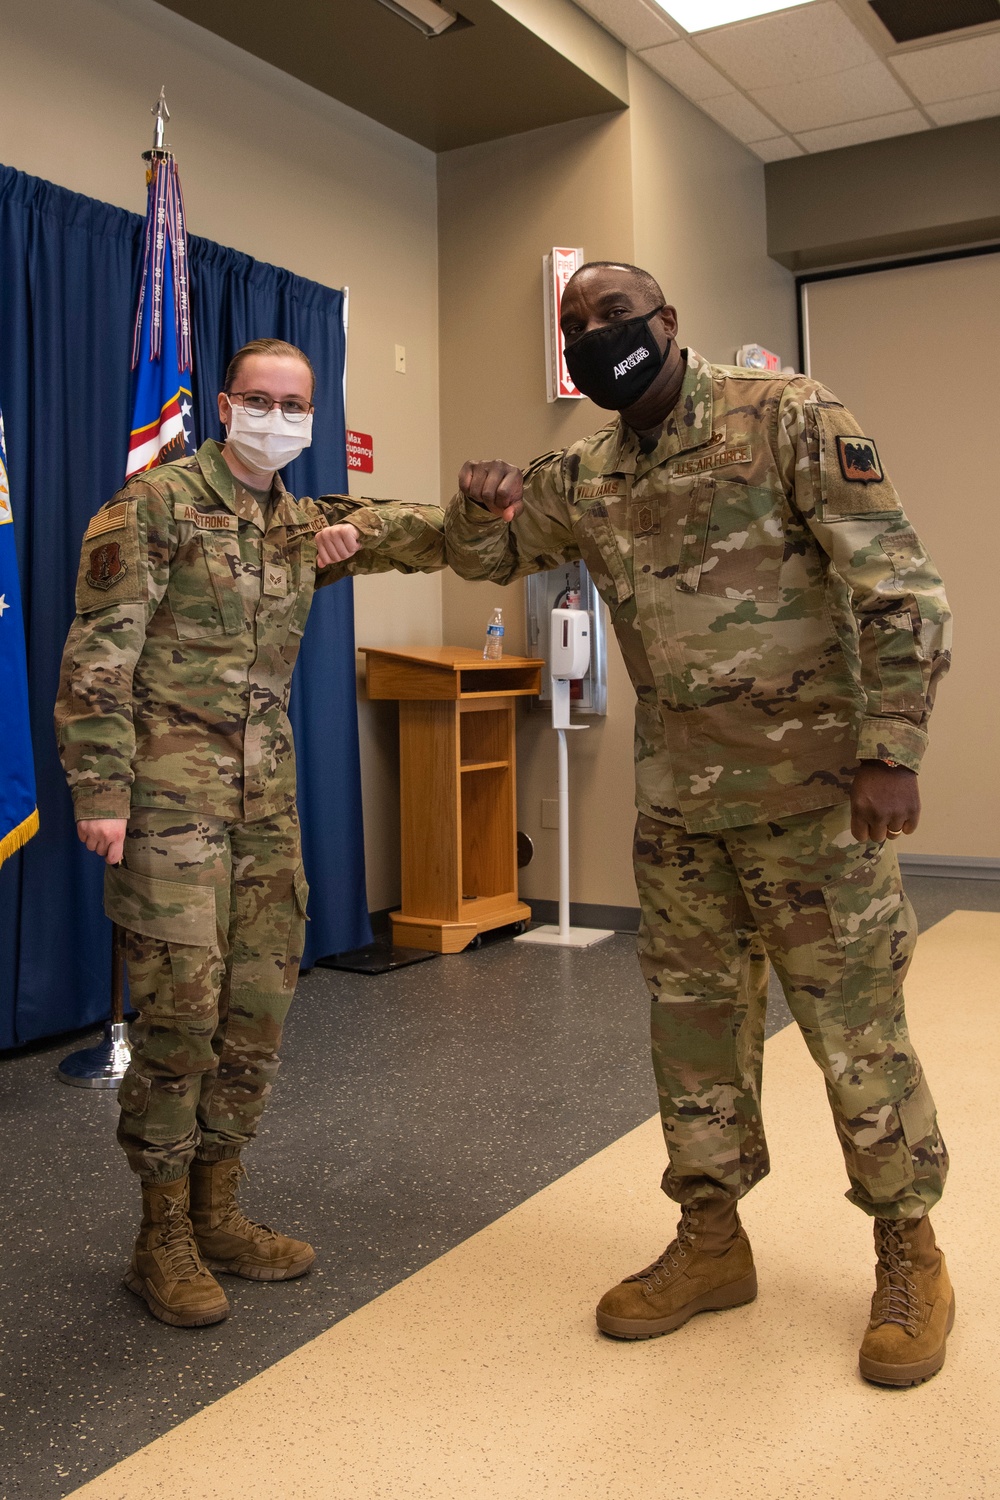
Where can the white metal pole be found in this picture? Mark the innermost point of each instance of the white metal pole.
(563, 835)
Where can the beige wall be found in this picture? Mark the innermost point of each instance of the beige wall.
(942, 318)
(501, 207)
(665, 187)
(286, 174)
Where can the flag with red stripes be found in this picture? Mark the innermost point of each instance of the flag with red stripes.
(162, 412)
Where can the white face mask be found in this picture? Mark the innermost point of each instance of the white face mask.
(270, 442)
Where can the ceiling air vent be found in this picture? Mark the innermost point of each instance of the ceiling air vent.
(909, 20)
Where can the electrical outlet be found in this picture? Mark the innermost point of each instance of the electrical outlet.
(550, 812)
(400, 360)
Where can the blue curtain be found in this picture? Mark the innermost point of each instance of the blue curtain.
(69, 270)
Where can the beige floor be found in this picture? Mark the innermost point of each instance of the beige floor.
(483, 1376)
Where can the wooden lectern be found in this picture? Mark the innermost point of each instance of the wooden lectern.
(457, 789)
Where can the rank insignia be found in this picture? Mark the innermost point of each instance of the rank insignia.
(859, 460)
(107, 566)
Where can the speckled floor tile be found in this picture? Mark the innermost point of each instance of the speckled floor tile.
(413, 1110)
(482, 1376)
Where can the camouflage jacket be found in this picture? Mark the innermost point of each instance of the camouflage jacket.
(776, 611)
(190, 609)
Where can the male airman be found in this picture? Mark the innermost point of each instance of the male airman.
(785, 632)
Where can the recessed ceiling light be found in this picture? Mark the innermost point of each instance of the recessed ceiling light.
(702, 15)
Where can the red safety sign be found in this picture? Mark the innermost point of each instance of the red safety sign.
(360, 453)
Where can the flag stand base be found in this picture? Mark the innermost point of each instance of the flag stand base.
(100, 1067)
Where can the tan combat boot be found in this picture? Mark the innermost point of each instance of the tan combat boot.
(708, 1266)
(913, 1307)
(228, 1240)
(166, 1268)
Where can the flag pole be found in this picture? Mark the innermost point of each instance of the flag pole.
(104, 1066)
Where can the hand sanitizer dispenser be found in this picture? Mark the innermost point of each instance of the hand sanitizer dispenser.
(569, 656)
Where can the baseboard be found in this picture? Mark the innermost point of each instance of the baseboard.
(586, 914)
(952, 866)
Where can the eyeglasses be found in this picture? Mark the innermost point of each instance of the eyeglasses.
(258, 405)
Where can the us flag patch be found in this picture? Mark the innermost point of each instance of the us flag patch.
(859, 460)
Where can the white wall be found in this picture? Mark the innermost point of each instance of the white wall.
(280, 171)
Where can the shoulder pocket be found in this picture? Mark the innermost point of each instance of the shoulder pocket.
(852, 481)
(111, 570)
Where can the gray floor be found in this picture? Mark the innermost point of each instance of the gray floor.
(414, 1109)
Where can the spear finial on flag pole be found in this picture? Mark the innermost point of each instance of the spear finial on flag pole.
(162, 114)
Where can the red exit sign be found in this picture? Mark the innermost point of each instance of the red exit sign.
(360, 453)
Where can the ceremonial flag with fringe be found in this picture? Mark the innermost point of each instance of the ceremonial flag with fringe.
(18, 812)
(162, 417)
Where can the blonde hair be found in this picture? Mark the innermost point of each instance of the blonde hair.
(266, 346)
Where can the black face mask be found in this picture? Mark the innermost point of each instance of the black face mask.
(617, 364)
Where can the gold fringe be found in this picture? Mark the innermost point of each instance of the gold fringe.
(19, 836)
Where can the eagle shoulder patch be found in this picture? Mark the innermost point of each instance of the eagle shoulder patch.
(859, 460)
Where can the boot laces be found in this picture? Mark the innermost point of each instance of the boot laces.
(180, 1253)
(896, 1298)
(235, 1221)
(670, 1262)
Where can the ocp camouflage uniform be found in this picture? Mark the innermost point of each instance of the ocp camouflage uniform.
(172, 713)
(780, 621)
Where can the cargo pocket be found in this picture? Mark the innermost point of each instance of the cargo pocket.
(133, 1094)
(174, 960)
(862, 906)
(917, 1115)
(170, 910)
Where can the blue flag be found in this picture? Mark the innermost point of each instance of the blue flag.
(162, 416)
(18, 812)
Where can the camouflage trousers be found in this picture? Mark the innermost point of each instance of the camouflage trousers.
(831, 916)
(214, 915)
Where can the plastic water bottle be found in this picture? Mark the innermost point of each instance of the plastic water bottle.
(493, 650)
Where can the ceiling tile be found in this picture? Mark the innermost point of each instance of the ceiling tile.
(788, 46)
(633, 22)
(856, 94)
(954, 70)
(735, 113)
(954, 111)
(777, 149)
(681, 65)
(832, 137)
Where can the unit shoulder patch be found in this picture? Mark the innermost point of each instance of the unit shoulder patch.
(859, 460)
(107, 566)
(852, 480)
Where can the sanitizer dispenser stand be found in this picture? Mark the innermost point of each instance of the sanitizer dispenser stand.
(570, 658)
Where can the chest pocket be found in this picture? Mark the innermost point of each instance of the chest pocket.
(733, 542)
(599, 549)
(298, 560)
(202, 594)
